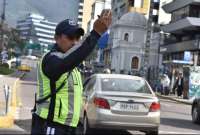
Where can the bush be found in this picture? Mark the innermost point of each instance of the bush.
(5, 70)
(4, 65)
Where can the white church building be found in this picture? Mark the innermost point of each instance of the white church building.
(128, 42)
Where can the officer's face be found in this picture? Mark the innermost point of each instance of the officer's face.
(66, 42)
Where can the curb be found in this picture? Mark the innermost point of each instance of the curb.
(7, 121)
(173, 99)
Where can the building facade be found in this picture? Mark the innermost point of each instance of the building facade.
(80, 13)
(129, 34)
(97, 7)
(120, 7)
(36, 29)
(181, 44)
(87, 10)
(164, 18)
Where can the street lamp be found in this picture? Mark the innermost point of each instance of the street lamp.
(154, 4)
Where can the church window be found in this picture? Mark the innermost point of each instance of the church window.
(132, 3)
(126, 36)
(135, 63)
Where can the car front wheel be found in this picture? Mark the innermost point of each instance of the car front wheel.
(195, 115)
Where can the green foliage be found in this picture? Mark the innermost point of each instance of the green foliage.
(5, 70)
(5, 65)
(14, 40)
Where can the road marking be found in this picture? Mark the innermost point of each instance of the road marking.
(23, 113)
(167, 100)
(180, 133)
(1, 76)
(166, 105)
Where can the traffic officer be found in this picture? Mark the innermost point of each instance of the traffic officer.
(59, 95)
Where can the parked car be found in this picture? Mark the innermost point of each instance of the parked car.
(32, 57)
(196, 111)
(24, 67)
(122, 102)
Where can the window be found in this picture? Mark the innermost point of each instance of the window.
(125, 85)
(80, 19)
(89, 86)
(126, 36)
(180, 13)
(132, 3)
(142, 3)
(135, 63)
(80, 13)
(194, 11)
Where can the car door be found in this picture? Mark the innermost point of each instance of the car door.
(84, 98)
(89, 92)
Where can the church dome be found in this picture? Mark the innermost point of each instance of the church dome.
(133, 19)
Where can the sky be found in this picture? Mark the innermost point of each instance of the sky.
(53, 10)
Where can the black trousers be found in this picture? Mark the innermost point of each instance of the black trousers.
(179, 90)
(40, 127)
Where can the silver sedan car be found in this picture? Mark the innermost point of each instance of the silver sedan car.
(124, 102)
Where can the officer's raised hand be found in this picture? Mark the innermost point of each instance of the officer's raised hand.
(102, 24)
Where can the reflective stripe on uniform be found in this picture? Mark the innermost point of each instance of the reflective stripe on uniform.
(40, 85)
(70, 100)
(44, 84)
(77, 102)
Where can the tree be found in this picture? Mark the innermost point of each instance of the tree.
(14, 40)
(13, 44)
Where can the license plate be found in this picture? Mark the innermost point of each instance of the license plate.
(129, 107)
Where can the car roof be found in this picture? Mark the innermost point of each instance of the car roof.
(101, 76)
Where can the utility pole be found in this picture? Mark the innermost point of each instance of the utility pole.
(2, 25)
(148, 39)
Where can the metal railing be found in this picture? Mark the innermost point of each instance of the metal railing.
(5, 100)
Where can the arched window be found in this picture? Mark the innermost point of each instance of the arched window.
(126, 36)
(135, 63)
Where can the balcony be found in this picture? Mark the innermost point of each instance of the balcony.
(183, 25)
(177, 4)
(172, 47)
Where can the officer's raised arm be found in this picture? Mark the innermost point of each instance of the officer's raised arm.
(66, 54)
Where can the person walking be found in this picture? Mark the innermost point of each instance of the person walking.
(179, 85)
(59, 95)
(165, 82)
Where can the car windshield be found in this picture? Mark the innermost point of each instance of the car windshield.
(125, 85)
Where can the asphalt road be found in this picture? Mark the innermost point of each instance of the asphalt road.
(175, 117)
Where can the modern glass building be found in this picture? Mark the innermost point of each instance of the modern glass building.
(36, 29)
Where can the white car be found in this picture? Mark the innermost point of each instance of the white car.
(123, 102)
(32, 57)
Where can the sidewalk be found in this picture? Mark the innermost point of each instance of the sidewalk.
(7, 120)
(175, 98)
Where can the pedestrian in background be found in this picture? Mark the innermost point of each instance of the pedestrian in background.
(179, 85)
(59, 97)
(165, 81)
